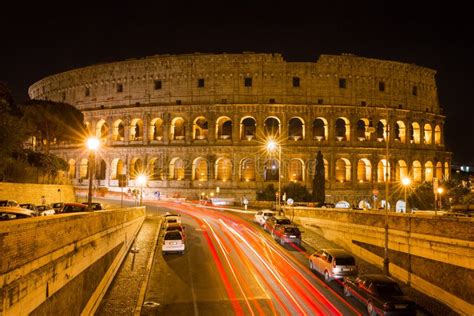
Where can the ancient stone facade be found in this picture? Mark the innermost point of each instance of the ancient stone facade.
(199, 122)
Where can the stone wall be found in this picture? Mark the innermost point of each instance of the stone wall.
(72, 257)
(31, 193)
(433, 254)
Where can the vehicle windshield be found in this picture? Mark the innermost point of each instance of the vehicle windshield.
(345, 261)
(292, 230)
(173, 236)
(388, 289)
(268, 214)
(284, 221)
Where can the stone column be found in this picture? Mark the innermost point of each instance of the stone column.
(146, 123)
(236, 129)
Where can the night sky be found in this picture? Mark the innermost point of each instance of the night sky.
(38, 40)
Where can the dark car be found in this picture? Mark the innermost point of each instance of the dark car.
(74, 208)
(274, 221)
(285, 234)
(57, 206)
(380, 294)
(95, 206)
(15, 212)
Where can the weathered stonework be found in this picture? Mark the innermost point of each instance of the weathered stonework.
(197, 122)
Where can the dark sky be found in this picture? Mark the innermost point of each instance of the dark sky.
(38, 40)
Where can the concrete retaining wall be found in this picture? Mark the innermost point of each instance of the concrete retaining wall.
(31, 193)
(433, 254)
(63, 264)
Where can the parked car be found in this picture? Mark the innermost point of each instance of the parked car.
(74, 208)
(173, 241)
(262, 215)
(333, 263)
(44, 210)
(15, 212)
(274, 221)
(175, 226)
(30, 206)
(380, 294)
(285, 234)
(171, 218)
(95, 206)
(57, 206)
(8, 203)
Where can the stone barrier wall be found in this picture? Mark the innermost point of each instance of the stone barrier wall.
(32, 193)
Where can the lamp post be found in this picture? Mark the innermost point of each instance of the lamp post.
(141, 181)
(386, 261)
(406, 182)
(272, 145)
(440, 191)
(93, 145)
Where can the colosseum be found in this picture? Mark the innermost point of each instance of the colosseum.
(198, 124)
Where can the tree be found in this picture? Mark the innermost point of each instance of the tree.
(268, 194)
(422, 197)
(319, 192)
(297, 192)
(53, 122)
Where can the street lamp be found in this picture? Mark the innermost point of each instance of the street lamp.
(92, 144)
(386, 261)
(141, 181)
(406, 182)
(440, 191)
(272, 145)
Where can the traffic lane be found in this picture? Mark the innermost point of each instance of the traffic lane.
(284, 282)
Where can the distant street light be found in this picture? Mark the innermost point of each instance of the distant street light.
(440, 192)
(92, 144)
(271, 146)
(141, 181)
(406, 182)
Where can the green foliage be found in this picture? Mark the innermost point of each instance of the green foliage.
(297, 192)
(319, 191)
(46, 166)
(267, 194)
(422, 197)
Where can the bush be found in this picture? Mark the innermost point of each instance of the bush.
(297, 192)
(267, 194)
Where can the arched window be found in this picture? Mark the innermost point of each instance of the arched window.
(320, 129)
(364, 170)
(343, 170)
(247, 170)
(136, 168)
(401, 170)
(272, 127)
(437, 135)
(102, 130)
(177, 129)
(84, 169)
(381, 130)
(100, 170)
(117, 168)
(400, 131)
(296, 129)
(177, 170)
(416, 171)
(326, 170)
(361, 129)
(248, 127)
(343, 129)
(446, 171)
(224, 128)
(136, 130)
(200, 169)
(119, 131)
(223, 169)
(427, 134)
(415, 133)
(200, 128)
(72, 169)
(156, 169)
(439, 170)
(296, 170)
(271, 170)
(156, 129)
(383, 171)
(429, 171)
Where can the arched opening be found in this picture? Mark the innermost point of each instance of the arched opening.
(343, 170)
(102, 130)
(119, 131)
(84, 169)
(156, 129)
(429, 171)
(248, 127)
(224, 128)
(101, 170)
(136, 130)
(326, 170)
(136, 168)
(271, 170)
(439, 170)
(383, 171)
(437, 135)
(427, 134)
(320, 129)
(272, 127)
(177, 129)
(400, 131)
(72, 169)
(415, 133)
(446, 171)
(247, 170)
(117, 168)
(296, 170)
(200, 128)
(343, 129)
(200, 169)
(296, 128)
(381, 130)
(177, 170)
(364, 170)
(401, 170)
(156, 169)
(223, 169)
(361, 129)
(416, 171)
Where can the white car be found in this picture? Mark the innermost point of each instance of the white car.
(173, 241)
(263, 215)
